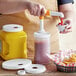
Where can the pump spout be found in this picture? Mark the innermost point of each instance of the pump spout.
(60, 14)
(49, 13)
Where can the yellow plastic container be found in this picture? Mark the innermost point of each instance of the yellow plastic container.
(13, 42)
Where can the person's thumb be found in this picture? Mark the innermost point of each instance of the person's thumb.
(68, 22)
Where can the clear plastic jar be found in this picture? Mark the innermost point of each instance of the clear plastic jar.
(42, 47)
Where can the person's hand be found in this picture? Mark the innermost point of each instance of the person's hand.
(66, 27)
(35, 9)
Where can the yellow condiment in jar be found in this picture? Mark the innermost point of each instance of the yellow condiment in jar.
(13, 42)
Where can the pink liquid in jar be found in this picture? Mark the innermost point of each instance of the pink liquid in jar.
(42, 48)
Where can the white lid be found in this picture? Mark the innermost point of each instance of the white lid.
(12, 28)
(35, 69)
(16, 64)
(41, 34)
(21, 72)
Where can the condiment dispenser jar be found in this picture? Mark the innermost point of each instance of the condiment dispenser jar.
(13, 41)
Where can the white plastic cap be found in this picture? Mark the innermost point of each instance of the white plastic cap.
(21, 72)
(16, 64)
(42, 35)
(35, 69)
(57, 14)
(12, 28)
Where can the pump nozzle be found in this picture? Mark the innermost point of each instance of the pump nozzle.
(41, 24)
(51, 13)
(60, 14)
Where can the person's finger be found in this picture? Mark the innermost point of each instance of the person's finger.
(35, 10)
(69, 30)
(38, 11)
(31, 12)
(69, 27)
(67, 22)
(66, 31)
(42, 12)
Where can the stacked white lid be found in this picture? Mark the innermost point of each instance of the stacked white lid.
(12, 28)
(25, 64)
